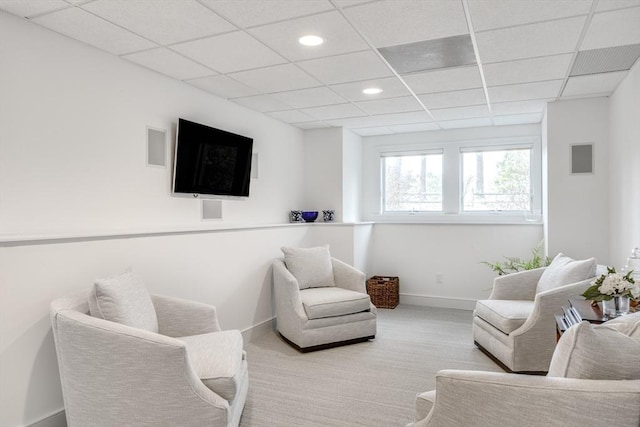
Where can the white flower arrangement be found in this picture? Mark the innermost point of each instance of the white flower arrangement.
(612, 284)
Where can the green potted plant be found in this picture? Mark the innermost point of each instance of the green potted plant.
(513, 264)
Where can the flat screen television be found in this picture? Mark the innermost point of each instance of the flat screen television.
(211, 163)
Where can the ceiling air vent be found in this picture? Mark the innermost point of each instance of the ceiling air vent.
(606, 60)
(426, 55)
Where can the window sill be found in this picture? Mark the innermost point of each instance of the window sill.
(438, 218)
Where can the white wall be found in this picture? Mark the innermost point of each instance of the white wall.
(73, 124)
(72, 163)
(322, 176)
(417, 252)
(351, 176)
(624, 168)
(578, 204)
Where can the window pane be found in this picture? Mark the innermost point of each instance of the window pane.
(497, 180)
(413, 183)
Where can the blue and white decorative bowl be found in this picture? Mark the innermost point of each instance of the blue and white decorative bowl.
(309, 216)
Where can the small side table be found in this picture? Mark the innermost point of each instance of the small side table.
(581, 308)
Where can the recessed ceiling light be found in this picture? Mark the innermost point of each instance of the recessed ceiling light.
(311, 40)
(372, 91)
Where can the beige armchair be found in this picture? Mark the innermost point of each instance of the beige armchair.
(516, 325)
(593, 381)
(189, 372)
(312, 318)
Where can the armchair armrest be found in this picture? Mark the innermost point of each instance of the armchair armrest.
(119, 358)
(287, 291)
(548, 303)
(517, 286)
(489, 399)
(179, 317)
(348, 277)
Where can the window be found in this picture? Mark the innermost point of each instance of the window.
(412, 182)
(461, 181)
(496, 180)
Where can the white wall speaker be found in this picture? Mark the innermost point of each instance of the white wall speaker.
(156, 147)
(254, 166)
(211, 209)
(582, 158)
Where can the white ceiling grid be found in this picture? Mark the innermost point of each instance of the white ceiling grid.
(247, 51)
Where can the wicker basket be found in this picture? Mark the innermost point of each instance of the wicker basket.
(384, 291)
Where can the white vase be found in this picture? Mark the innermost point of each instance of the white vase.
(616, 306)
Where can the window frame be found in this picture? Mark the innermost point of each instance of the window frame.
(452, 180)
(383, 177)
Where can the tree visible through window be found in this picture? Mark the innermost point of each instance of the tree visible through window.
(413, 183)
(497, 180)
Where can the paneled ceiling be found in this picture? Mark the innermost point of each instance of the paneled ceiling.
(441, 64)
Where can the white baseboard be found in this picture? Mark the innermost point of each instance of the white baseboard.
(56, 419)
(259, 329)
(429, 301)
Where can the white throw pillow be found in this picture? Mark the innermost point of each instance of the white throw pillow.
(564, 271)
(597, 353)
(310, 266)
(125, 300)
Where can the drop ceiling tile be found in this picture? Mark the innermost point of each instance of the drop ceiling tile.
(391, 87)
(519, 107)
(291, 116)
(379, 130)
(416, 127)
(527, 70)
(383, 120)
(83, 26)
(466, 123)
(170, 63)
(525, 91)
(346, 68)
(334, 111)
(248, 13)
(457, 98)
(460, 112)
(527, 41)
(223, 86)
(164, 22)
(311, 125)
(390, 105)
(616, 28)
(339, 36)
(616, 4)
(594, 84)
(492, 14)
(518, 119)
(262, 103)
(230, 52)
(389, 22)
(29, 8)
(314, 97)
(444, 80)
(278, 78)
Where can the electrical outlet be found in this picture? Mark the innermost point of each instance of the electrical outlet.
(439, 278)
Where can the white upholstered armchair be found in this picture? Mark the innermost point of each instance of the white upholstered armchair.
(593, 381)
(321, 301)
(516, 325)
(188, 372)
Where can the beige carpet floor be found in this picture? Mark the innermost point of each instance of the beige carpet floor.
(367, 384)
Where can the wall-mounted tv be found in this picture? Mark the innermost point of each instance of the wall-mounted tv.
(211, 163)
